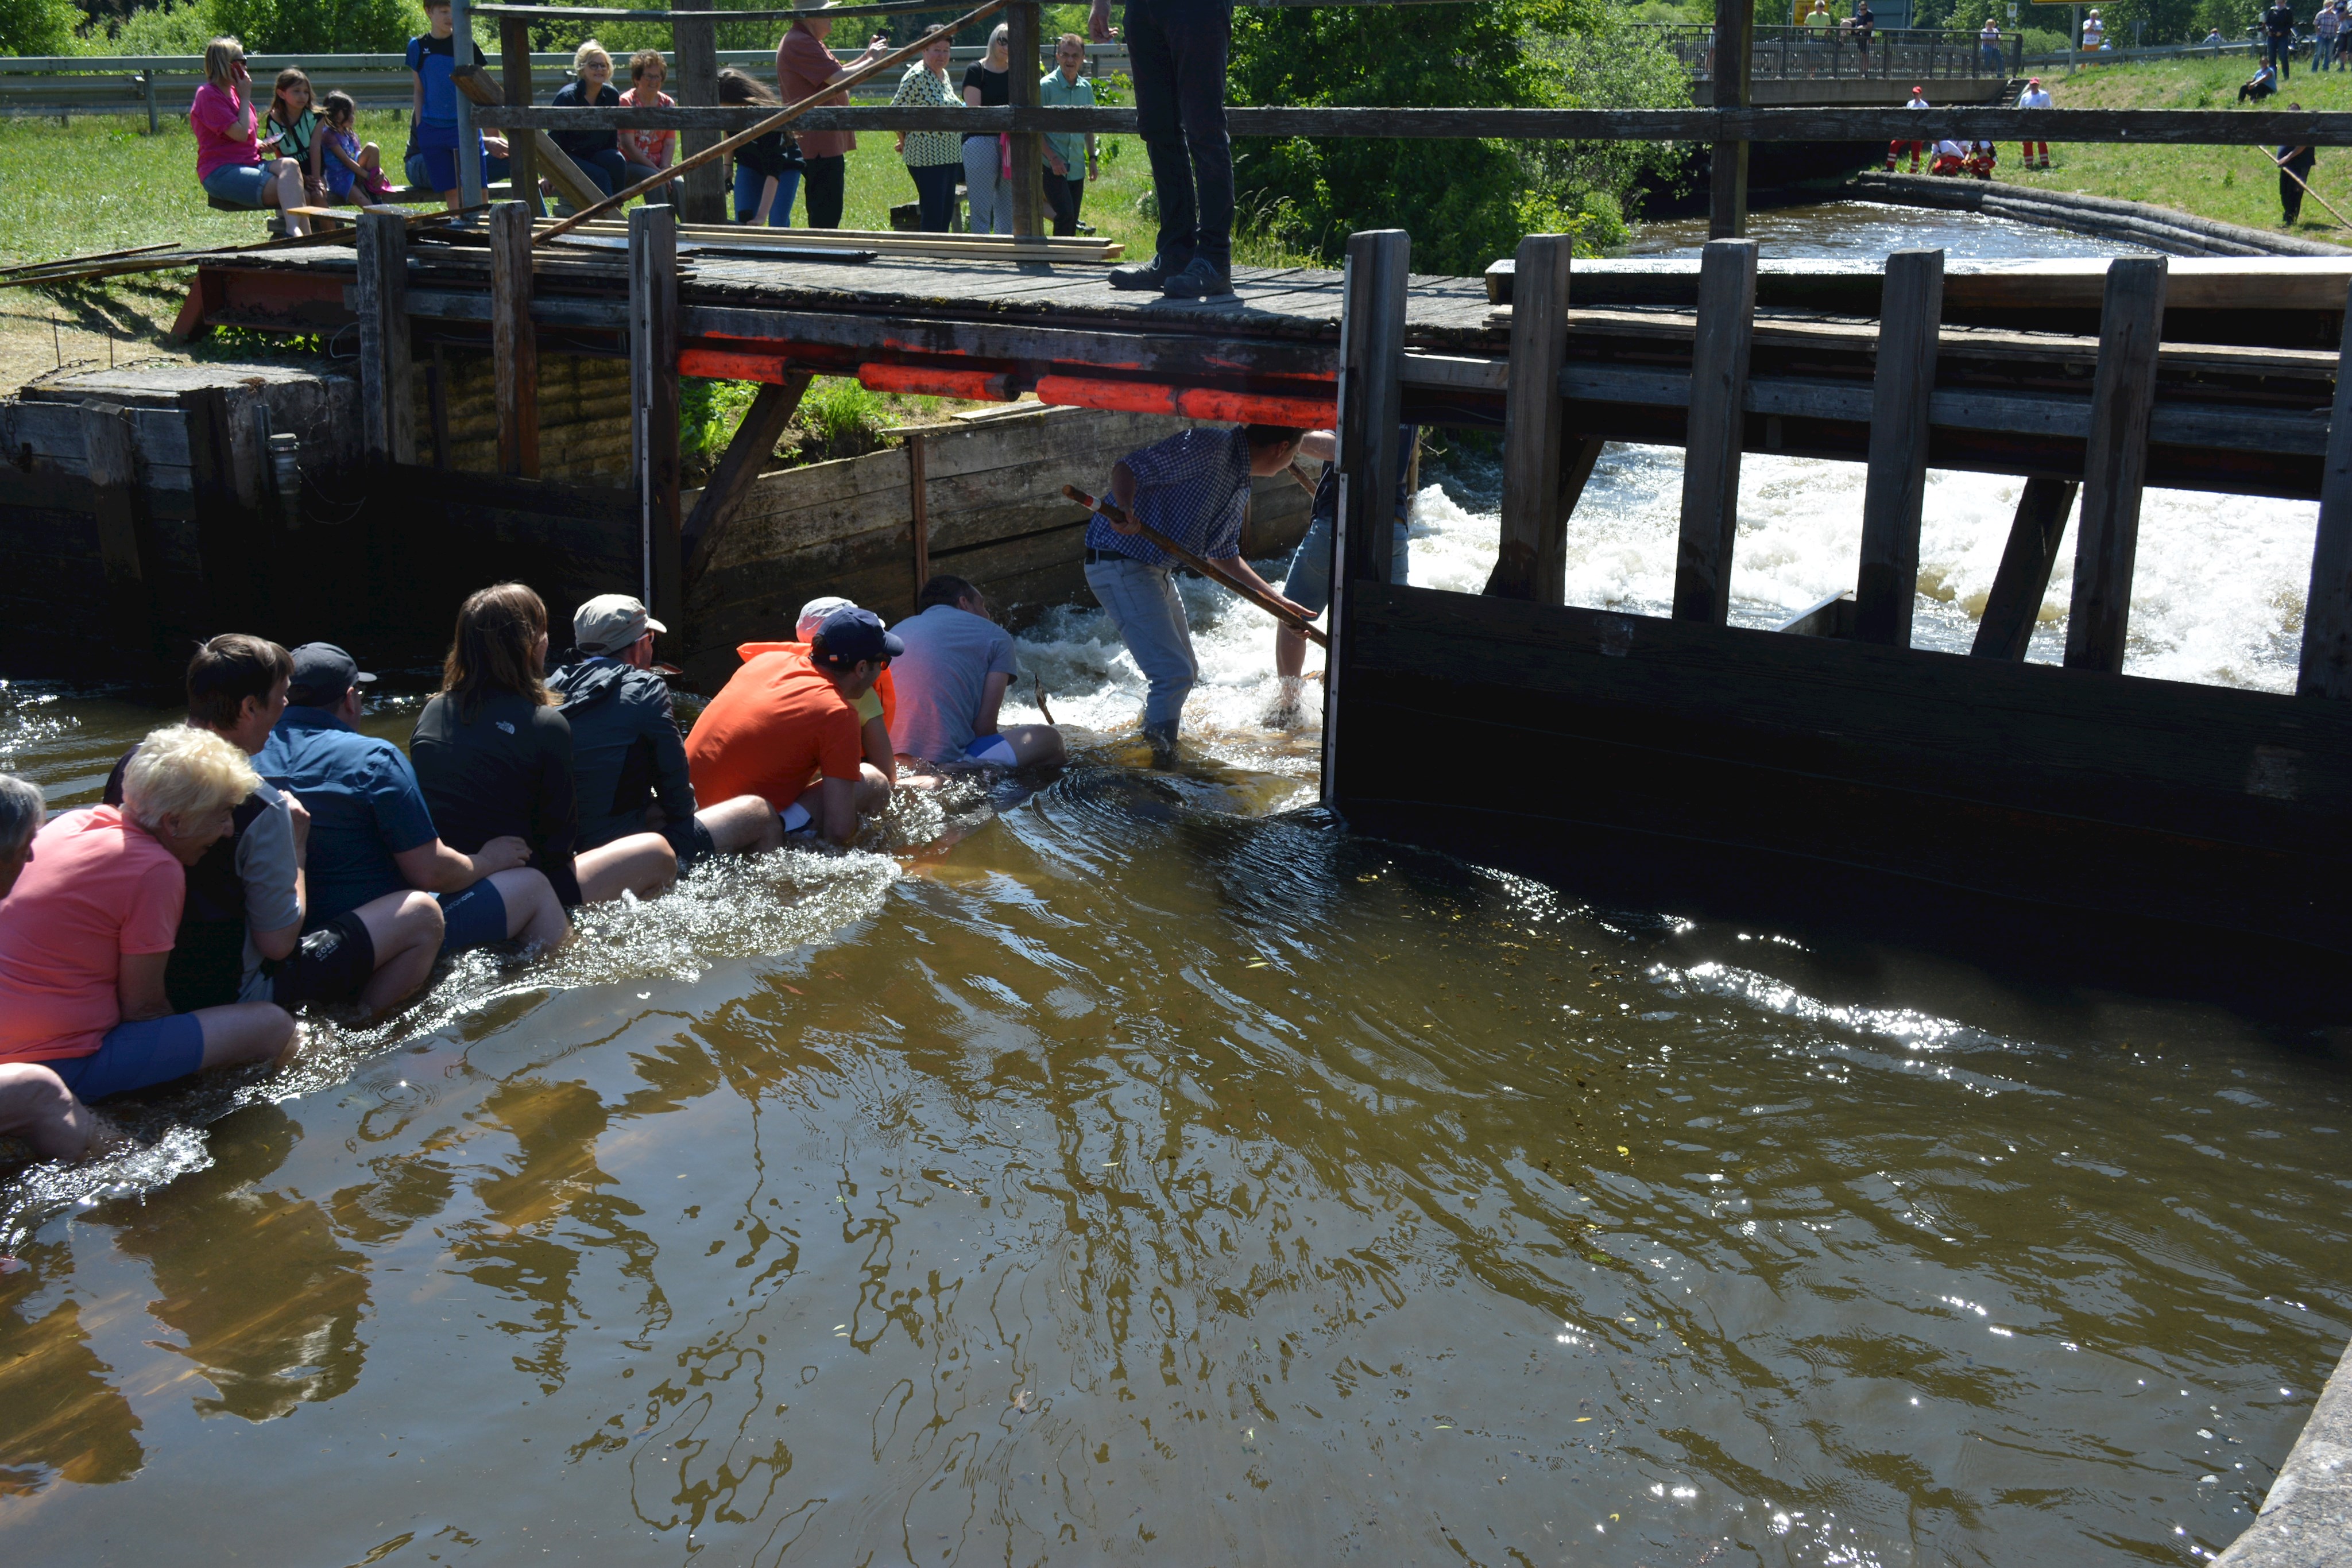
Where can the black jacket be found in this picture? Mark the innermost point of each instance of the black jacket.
(587, 144)
(626, 747)
(508, 771)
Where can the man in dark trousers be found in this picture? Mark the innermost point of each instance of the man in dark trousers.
(2294, 173)
(1177, 49)
(2278, 25)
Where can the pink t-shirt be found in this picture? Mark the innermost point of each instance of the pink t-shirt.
(651, 148)
(804, 64)
(98, 888)
(224, 128)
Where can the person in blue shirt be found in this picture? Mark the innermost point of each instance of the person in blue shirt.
(1194, 489)
(431, 57)
(371, 833)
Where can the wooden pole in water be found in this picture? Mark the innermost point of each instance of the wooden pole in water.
(1735, 42)
(1201, 564)
(2014, 605)
(1714, 434)
(387, 395)
(1371, 396)
(514, 341)
(652, 404)
(1532, 561)
(1887, 582)
(2115, 463)
(2327, 670)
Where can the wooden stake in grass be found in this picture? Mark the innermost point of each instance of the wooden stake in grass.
(1266, 601)
(776, 122)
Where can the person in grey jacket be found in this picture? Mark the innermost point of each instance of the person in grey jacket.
(629, 761)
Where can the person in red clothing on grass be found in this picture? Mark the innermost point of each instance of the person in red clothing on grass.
(786, 727)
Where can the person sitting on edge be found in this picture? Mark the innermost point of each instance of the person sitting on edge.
(951, 682)
(878, 705)
(36, 1106)
(598, 153)
(626, 749)
(1194, 489)
(1308, 582)
(241, 936)
(785, 727)
(87, 931)
(493, 753)
(648, 152)
(371, 834)
(229, 164)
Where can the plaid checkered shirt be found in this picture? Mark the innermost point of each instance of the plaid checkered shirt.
(1193, 487)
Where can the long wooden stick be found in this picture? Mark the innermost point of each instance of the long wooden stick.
(84, 260)
(187, 259)
(1304, 482)
(2308, 191)
(776, 122)
(1263, 599)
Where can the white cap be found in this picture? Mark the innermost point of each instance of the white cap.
(812, 616)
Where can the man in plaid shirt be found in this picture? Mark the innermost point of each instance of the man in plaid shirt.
(1193, 487)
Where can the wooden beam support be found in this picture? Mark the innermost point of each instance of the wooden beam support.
(514, 52)
(1908, 328)
(702, 198)
(1371, 356)
(470, 158)
(653, 405)
(514, 341)
(2014, 608)
(1029, 211)
(1717, 421)
(747, 453)
(2327, 669)
(2115, 463)
(387, 387)
(918, 509)
(125, 539)
(1735, 44)
(1531, 562)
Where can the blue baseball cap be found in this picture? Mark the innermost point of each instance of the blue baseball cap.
(322, 674)
(849, 637)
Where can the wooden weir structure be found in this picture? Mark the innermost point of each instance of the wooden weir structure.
(1829, 753)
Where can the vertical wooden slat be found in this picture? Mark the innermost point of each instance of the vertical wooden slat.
(652, 402)
(1888, 582)
(470, 162)
(1532, 560)
(703, 200)
(1371, 357)
(2327, 669)
(125, 540)
(1726, 322)
(514, 53)
(2014, 606)
(387, 390)
(2115, 463)
(1029, 210)
(514, 342)
(1735, 46)
(919, 509)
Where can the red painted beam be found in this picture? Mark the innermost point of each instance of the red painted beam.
(733, 365)
(1189, 402)
(935, 381)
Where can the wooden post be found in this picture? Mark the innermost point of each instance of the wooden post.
(1726, 323)
(753, 444)
(1029, 209)
(1735, 43)
(2328, 612)
(514, 51)
(2115, 463)
(387, 390)
(1532, 560)
(469, 159)
(2014, 606)
(653, 404)
(919, 509)
(514, 342)
(1371, 357)
(1908, 323)
(124, 537)
(702, 199)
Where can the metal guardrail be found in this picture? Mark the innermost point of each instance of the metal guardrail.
(1826, 54)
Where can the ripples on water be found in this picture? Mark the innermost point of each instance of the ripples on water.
(1143, 1169)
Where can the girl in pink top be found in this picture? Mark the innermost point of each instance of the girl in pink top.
(650, 151)
(229, 164)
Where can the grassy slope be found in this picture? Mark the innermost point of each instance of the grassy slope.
(2234, 184)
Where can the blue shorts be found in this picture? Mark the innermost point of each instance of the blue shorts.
(477, 917)
(990, 751)
(247, 184)
(136, 1056)
(1308, 581)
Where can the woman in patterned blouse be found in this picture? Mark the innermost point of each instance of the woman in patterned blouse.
(935, 158)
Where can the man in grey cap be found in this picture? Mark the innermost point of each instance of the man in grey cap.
(626, 752)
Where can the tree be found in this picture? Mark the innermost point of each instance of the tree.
(37, 27)
(320, 26)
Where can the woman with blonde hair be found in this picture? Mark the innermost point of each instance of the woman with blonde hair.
(493, 753)
(87, 931)
(229, 164)
(598, 153)
(988, 84)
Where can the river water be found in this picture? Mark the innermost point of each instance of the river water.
(1143, 1170)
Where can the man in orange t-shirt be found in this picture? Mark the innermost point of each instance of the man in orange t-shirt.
(786, 728)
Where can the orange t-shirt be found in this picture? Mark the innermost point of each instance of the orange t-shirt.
(773, 729)
(885, 692)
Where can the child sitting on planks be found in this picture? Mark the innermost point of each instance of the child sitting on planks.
(768, 170)
(295, 124)
(345, 162)
(648, 152)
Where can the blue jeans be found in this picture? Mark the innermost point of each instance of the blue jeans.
(1308, 581)
(749, 183)
(1149, 619)
(935, 186)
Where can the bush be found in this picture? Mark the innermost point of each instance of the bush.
(320, 26)
(37, 27)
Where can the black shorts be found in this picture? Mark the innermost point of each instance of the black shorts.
(332, 965)
(692, 842)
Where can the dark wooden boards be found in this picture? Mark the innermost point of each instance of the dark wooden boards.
(2114, 465)
(1887, 581)
(387, 401)
(514, 341)
(1716, 433)
(750, 450)
(653, 397)
(2326, 664)
(1735, 48)
(2013, 607)
(1531, 562)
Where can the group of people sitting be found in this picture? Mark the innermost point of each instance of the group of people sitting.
(266, 854)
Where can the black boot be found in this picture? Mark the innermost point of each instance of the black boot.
(1152, 275)
(1202, 280)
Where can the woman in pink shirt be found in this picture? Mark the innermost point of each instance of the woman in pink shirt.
(229, 164)
(86, 932)
(647, 152)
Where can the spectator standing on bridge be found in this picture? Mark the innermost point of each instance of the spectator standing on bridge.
(1989, 47)
(229, 164)
(934, 158)
(2294, 173)
(1064, 87)
(1864, 21)
(2034, 97)
(1177, 50)
(803, 67)
(2278, 26)
(988, 84)
(768, 170)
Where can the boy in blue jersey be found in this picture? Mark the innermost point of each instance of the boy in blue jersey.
(431, 57)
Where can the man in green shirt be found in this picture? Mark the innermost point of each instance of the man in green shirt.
(1063, 86)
